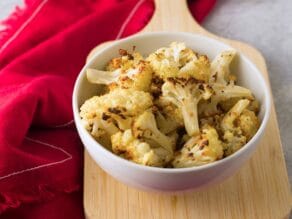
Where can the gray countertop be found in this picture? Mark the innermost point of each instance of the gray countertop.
(265, 24)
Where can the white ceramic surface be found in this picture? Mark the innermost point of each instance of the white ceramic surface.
(153, 178)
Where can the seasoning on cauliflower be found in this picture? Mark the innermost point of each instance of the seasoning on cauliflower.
(199, 150)
(233, 141)
(179, 61)
(127, 146)
(249, 123)
(223, 93)
(113, 111)
(145, 128)
(223, 85)
(198, 68)
(227, 122)
(186, 94)
(239, 125)
(91, 113)
(173, 109)
(128, 71)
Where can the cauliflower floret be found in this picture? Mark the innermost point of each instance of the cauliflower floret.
(239, 125)
(220, 72)
(125, 61)
(233, 141)
(134, 102)
(90, 113)
(128, 71)
(222, 93)
(198, 68)
(200, 150)
(186, 94)
(227, 122)
(145, 127)
(163, 64)
(179, 61)
(248, 122)
(223, 85)
(113, 111)
(127, 146)
(246, 125)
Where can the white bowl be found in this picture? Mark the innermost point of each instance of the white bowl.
(153, 178)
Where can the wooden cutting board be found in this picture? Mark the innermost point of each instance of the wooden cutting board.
(259, 190)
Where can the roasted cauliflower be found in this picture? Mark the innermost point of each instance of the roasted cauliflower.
(186, 94)
(179, 61)
(172, 109)
(127, 71)
(238, 125)
(200, 150)
(127, 146)
(114, 111)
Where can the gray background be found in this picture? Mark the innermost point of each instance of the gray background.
(265, 24)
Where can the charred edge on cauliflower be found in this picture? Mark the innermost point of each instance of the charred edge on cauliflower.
(186, 94)
(124, 52)
(155, 87)
(199, 150)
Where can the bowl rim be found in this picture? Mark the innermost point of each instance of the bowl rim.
(116, 158)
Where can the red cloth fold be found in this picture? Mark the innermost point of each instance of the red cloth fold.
(42, 50)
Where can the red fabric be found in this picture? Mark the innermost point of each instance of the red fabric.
(42, 49)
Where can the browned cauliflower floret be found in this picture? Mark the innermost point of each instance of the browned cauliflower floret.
(220, 72)
(233, 141)
(128, 71)
(198, 68)
(186, 94)
(228, 121)
(113, 111)
(223, 93)
(125, 61)
(248, 122)
(127, 146)
(179, 61)
(200, 150)
(238, 125)
(223, 85)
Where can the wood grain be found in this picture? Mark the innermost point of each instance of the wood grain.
(259, 190)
